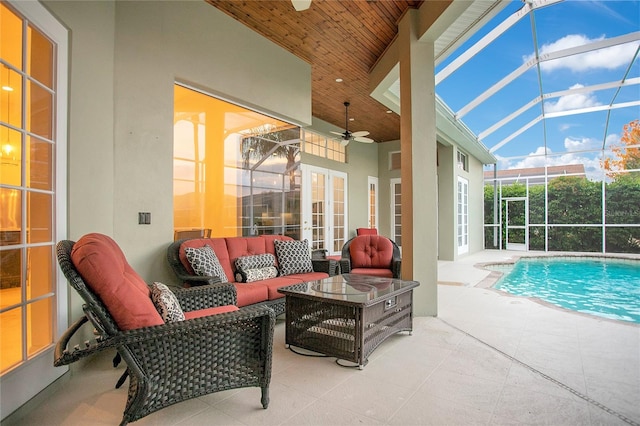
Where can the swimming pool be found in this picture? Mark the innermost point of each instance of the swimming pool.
(604, 287)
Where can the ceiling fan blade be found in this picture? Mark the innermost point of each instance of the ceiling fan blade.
(360, 133)
(337, 133)
(300, 5)
(363, 139)
(344, 142)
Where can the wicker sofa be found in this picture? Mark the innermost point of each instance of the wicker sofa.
(228, 250)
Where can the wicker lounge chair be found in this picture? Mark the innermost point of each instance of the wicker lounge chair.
(173, 362)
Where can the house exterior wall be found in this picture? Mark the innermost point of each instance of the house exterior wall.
(125, 58)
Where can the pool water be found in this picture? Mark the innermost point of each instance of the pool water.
(608, 288)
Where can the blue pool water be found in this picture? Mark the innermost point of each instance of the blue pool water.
(607, 288)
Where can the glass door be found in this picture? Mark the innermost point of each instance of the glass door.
(372, 206)
(33, 303)
(324, 208)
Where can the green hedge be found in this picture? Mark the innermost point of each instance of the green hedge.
(575, 200)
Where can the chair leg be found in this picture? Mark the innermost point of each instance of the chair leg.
(265, 397)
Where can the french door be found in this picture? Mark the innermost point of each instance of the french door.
(324, 208)
(396, 211)
(463, 215)
(372, 205)
(33, 291)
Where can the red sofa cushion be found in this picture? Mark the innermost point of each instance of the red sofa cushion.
(106, 271)
(250, 293)
(270, 247)
(219, 246)
(209, 311)
(244, 246)
(371, 251)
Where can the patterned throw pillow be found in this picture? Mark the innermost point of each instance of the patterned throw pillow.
(166, 303)
(205, 263)
(293, 257)
(257, 261)
(257, 274)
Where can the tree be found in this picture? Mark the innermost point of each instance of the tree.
(627, 154)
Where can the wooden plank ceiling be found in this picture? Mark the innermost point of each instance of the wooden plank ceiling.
(340, 39)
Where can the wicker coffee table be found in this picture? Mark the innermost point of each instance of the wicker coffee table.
(347, 316)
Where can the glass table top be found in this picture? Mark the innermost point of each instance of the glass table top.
(352, 288)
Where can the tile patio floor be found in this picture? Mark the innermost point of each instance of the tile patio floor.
(487, 359)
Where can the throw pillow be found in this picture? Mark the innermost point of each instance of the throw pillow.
(257, 261)
(257, 274)
(293, 257)
(205, 263)
(166, 303)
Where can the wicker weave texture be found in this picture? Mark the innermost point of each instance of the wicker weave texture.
(345, 331)
(174, 362)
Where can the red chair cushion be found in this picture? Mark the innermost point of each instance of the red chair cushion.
(366, 231)
(107, 273)
(376, 272)
(209, 311)
(371, 251)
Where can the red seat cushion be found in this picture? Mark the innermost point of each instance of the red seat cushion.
(209, 311)
(107, 273)
(250, 293)
(377, 272)
(371, 251)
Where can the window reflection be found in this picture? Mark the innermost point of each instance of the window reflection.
(235, 171)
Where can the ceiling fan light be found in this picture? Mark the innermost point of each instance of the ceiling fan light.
(300, 5)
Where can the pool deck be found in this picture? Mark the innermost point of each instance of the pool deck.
(487, 358)
(596, 359)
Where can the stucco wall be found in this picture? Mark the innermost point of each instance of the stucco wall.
(125, 58)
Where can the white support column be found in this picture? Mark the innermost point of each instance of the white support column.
(419, 158)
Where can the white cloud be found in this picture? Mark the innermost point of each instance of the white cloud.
(572, 101)
(581, 144)
(607, 58)
(537, 158)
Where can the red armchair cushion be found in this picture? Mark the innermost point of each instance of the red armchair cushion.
(366, 231)
(371, 251)
(106, 272)
(210, 311)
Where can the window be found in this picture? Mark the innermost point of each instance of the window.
(394, 160)
(396, 211)
(463, 215)
(463, 163)
(321, 146)
(236, 171)
(372, 205)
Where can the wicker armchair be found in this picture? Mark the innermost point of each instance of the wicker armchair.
(173, 362)
(371, 255)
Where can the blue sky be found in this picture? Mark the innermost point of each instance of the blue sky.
(570, 138)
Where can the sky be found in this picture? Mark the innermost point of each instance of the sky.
(553, 86)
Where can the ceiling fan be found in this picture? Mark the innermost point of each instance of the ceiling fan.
(300, 5)
(348, 136)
